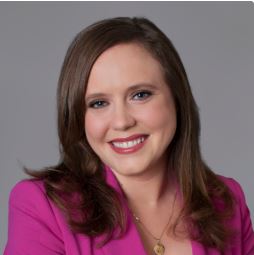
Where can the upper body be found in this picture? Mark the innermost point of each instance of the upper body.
(37, 226)
(124, 101)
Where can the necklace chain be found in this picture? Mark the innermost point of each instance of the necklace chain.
(159, 247)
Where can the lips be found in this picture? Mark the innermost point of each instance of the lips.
(128, 145)
(130, 138)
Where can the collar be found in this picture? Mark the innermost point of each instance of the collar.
(131, 242)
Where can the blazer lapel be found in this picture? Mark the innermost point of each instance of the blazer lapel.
(131, 242)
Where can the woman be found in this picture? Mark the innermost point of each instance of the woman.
(131, 179)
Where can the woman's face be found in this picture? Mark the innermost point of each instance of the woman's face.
(130, 118)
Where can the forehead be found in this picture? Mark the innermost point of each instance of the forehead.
(123, 65)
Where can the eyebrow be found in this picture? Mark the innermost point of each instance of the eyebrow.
(130, 89)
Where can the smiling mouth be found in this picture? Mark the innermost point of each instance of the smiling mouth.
(126, 147)
(129, 144)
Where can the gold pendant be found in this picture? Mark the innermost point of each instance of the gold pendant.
(159, 248)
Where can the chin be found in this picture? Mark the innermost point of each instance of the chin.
(131, 170)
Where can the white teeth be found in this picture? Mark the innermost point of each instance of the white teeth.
(129, 144)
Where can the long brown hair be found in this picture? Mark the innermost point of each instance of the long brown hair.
(80, 170)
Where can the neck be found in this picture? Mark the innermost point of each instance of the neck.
(148, 189)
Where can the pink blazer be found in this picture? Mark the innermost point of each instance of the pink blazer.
(37, 227)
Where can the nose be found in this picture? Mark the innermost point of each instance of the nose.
(122, 118)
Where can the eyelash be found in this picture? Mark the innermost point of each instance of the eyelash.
(148, 93)
(93, 103)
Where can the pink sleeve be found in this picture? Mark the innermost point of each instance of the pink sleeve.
(247, 229)
(32, 227)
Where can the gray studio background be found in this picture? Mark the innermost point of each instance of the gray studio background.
(214, 39)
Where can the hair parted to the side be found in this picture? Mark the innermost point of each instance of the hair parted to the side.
(80, 171)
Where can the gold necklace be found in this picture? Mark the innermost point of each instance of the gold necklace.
(158, 248)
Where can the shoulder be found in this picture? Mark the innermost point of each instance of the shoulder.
(27, 189)
(241, 220)
(30, 195)
(237, 192)
(231, 183)
(34, 223)
(37, 226)
(234, 187)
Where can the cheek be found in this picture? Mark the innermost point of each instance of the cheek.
(94, 128)
(159, 115)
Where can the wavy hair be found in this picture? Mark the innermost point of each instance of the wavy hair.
(80, 171)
